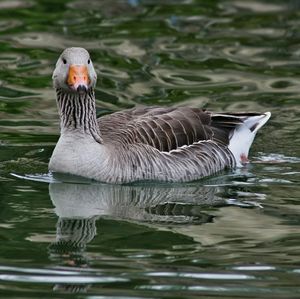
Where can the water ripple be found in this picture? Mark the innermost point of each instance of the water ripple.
(277, 158)
(13, 4)
(50, 276)
(227, 276)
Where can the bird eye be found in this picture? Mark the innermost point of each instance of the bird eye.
(89, 61)
(64, 61)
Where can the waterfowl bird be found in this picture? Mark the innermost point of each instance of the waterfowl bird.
(145, 143)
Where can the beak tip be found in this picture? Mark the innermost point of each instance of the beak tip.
(81, 88)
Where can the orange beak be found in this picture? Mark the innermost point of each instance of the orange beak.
(78, 78)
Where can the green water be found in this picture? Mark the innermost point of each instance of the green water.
(231, 236)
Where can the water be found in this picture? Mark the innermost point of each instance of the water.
(235, 235)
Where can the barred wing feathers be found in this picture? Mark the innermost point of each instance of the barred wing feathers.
(167, 129)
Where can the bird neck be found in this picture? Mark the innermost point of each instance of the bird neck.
(78, 113)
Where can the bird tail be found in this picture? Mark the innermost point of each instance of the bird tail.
(243, 135)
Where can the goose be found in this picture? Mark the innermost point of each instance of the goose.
(167, 144)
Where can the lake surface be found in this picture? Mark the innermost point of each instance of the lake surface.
(236, 235)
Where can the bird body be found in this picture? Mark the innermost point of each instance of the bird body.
(143, 143)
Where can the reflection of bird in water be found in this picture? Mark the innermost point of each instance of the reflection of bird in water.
(78, 206)
(72, 236)
(160, 203)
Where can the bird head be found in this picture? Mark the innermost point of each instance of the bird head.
(74, 71)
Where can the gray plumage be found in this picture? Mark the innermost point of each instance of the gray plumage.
(144, 143)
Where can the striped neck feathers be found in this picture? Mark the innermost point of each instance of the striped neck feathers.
(78, 113)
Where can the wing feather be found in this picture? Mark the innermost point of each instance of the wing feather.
(167, 129)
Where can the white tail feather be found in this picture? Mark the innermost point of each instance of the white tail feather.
(243, 136)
